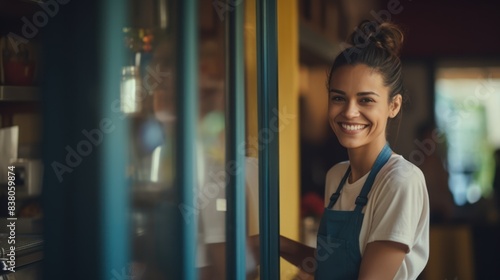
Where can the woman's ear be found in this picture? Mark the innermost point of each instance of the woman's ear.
(395, 105)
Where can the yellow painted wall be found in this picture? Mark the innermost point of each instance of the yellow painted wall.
(288, 76)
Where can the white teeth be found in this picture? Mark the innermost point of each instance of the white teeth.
(353, 127)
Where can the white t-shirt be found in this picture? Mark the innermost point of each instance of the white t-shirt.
(397, 209)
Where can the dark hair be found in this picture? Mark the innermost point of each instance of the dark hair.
(377, 46)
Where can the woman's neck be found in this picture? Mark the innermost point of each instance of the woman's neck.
(363, 158)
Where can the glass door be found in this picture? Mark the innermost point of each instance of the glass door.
(152, 169)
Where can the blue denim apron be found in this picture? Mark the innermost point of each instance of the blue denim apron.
(338, 255)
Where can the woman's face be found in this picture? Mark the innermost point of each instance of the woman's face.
(358, 106)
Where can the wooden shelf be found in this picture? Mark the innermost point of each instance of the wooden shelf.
(18, 94)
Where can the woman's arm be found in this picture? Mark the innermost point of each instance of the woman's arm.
(381, 260)
(297, 253)
(294, 252)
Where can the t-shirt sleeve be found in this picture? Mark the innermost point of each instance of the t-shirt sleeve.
(398, 207)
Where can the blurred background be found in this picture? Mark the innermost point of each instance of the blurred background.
(89, 107)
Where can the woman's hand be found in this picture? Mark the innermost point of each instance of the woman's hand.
(294, 252)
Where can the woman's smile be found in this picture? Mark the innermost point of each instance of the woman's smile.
(352, 128)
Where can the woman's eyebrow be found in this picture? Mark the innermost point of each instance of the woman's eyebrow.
(337, 91)
(363, 93)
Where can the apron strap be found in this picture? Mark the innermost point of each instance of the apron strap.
(335, 195)
(382, 159)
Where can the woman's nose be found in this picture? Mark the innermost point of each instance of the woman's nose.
(351, 110)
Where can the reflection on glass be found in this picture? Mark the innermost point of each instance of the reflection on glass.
(129, 102)
(148, 101)
(212, 135)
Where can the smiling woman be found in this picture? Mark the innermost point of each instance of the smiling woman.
(376, 222)
(358, 106)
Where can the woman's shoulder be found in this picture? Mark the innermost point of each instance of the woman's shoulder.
(398, 164)
(399, 170)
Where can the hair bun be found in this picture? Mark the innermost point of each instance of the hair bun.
(385, 35)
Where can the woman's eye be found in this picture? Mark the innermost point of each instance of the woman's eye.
(337, 98)
(366, 100)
